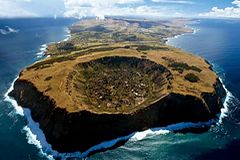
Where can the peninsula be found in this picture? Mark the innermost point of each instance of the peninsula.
(114, 77)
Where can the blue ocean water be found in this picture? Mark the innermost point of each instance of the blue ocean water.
(215, 40)
(20, 46)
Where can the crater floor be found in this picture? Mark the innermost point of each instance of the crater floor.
(118, 83)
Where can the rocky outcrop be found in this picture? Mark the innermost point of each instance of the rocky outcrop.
(78, 131)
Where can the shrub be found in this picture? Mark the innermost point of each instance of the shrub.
(48, 78)
(191, 77)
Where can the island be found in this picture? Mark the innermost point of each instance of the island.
(114, 77)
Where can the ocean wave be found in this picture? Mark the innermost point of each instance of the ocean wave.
(170, 128)
(35, 135)
(18, 109)
(8, 30)
(42, 49)
(229, 101)
(68, 35)
(194, 31)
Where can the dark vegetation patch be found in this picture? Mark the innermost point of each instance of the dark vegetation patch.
(65, 46)
(36, 67)
(48, 89)
(104, 37)
(191, 77)
(97, 28)
(121, 37)
(143, 24)
(103, 49)
(179, 66)
(47, 63)
(146, 48)
(92, 50)
(48, 78)
(93, 46)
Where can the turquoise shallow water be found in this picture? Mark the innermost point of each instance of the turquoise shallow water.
(216, 40)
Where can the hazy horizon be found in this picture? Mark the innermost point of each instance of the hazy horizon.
(142, 8)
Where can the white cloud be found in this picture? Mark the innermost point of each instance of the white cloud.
(175, 1)
(129, 1)
(12, 9)
(102, 8)
(228, 12)
(236, 2)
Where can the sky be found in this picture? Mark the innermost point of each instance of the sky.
(103, 8)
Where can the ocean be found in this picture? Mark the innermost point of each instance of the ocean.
(22, 42)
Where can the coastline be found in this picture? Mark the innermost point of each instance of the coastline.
(43, 47)
(34, 134)
(33, 131)
(194, 31)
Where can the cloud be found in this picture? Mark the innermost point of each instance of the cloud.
(13, 9)
(236, 2)
(228, 12)
(97, 8)
(129, 1)
(175, 1)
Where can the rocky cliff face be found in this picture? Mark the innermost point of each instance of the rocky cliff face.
(78, 131)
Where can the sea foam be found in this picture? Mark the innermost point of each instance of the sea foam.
(8, 30)
(18, 109)
(194, 32)
(42, 49)
(230, 100)
(68, 35)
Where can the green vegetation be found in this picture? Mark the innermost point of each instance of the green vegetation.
(48, 78)
(49, 88)
(48, 62)
(179, 66)
(148, 47)
(191, 77)
(119, 83)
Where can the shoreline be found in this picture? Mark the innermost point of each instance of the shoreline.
(36, 137)
(194, 31)
(43, 47)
